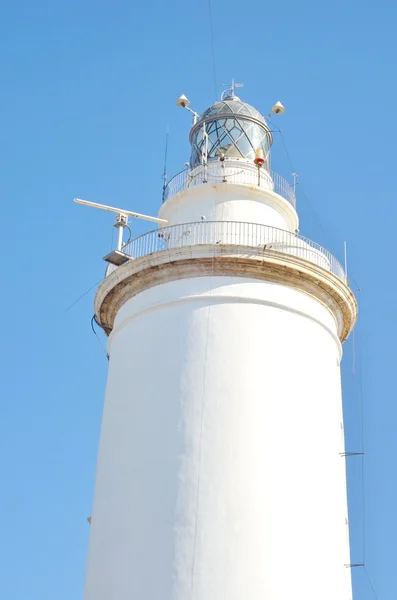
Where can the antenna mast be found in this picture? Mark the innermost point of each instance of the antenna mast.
(165, 162)
(117, 256)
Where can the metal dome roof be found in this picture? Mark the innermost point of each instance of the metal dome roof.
(232, 105)
(232, 128)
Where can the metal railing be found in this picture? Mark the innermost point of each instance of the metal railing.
(261, 238)
(234, 172)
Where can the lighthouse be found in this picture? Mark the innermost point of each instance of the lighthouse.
(221, 470)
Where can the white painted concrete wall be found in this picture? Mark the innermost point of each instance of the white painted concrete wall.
(229, 202)
(219, 474)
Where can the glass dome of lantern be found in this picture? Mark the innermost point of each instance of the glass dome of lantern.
(230, 129)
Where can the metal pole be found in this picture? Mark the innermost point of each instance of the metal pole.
(204, 153)
(165, 164)
(345, 246)
(120, 237)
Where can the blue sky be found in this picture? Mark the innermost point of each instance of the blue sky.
(88, 91)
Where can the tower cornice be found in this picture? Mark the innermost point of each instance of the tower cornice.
(174, 264)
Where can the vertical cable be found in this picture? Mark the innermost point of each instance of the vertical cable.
(213, 49)
(93, 320)
(363, 507)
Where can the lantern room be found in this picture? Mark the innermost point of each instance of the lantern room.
(230, 129)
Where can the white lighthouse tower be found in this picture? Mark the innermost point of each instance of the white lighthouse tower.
(221, 473)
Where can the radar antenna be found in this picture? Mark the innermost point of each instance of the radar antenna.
(117, 257)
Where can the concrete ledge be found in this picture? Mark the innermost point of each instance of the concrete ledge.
(239, 261)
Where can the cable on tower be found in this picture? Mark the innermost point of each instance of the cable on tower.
(95, 320)
(129, 235)
(362, 453)
(307, 199)
(212, 48)
(82, 295)
(361, 394)
(360, 360)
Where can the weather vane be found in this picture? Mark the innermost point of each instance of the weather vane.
(230, 87)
